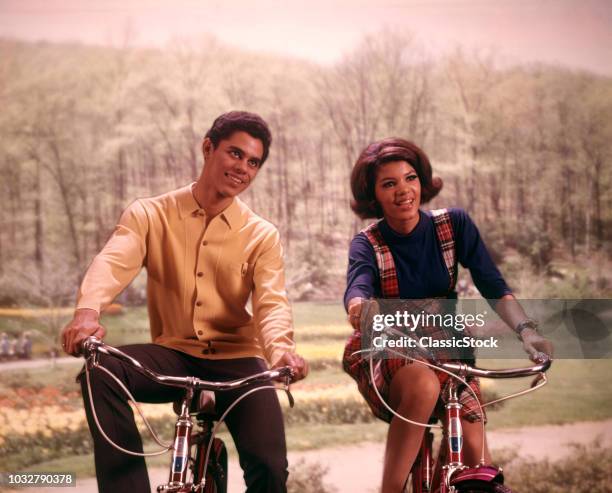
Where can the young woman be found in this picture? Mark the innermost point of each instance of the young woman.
(412, 254)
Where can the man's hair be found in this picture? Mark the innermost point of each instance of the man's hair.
(363, 176)
(241, 121)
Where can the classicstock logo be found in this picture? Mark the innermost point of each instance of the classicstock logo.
(459, 329)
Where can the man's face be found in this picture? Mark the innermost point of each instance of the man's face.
(230, 167)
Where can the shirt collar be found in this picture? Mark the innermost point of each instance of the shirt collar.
(188, 205)
(392, 236)
(232, 213)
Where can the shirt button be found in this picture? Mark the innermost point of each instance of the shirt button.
(200, 332)
(198, 303)
(205, 351)
(204, 243)
(200, 274)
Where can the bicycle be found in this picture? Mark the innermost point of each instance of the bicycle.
(208, 467)
(448, 473)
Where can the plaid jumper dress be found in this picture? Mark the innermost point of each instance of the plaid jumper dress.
(358, 367)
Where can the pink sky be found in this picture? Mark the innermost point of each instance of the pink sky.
(575, 33)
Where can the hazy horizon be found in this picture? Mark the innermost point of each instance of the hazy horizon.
(572, 33)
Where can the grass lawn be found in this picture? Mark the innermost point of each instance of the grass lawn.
(577, 390)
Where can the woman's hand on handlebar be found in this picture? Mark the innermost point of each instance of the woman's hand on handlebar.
(85, 323)
(534, 343)
(297, 364)
(354, 307)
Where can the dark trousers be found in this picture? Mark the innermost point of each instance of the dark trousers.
(256, 423)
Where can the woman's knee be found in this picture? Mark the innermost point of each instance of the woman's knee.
(415, 383)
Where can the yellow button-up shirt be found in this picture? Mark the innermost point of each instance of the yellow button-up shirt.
(200, 278)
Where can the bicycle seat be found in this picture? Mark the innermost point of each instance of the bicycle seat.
(203, 404)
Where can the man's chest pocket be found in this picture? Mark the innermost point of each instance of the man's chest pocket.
(236, 279)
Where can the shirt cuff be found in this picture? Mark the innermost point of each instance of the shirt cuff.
(275, 356)
(90, 304)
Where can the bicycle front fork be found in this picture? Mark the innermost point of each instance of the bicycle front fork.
(422, 471)
(180, 451)
(450, 458)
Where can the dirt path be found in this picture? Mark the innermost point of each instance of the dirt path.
(357, 468)
(38, 363)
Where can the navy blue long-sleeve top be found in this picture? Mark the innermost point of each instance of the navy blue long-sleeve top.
(419, 263)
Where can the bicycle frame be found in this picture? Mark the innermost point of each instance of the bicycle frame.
(181, 445)
(426, 478)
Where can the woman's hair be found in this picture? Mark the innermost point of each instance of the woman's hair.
(363, 176)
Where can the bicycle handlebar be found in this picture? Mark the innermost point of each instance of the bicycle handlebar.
(92, 346)
(467, 370)
(542, 360)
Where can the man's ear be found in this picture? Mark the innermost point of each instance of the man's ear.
(207, 147)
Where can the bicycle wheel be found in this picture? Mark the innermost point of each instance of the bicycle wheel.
(481, 487)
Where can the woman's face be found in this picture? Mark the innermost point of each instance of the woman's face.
(398, 191)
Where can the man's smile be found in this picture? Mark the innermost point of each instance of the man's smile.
(235, 178)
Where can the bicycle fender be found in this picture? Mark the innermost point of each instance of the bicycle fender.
(490, 474)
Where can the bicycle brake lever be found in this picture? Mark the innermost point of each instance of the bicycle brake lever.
(90, 345)
(538, 378)
(92, 360)
(288, 392)
(290, 398)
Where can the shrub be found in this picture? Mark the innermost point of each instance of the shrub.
(308, 478)
(19, 451)
(536, 245)
(588, 469)
(330, 411)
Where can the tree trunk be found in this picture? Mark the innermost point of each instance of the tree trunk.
(599, 233)
(120, 194)
(38, 226)
(67, 202)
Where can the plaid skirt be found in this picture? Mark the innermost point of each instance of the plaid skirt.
(358, 368)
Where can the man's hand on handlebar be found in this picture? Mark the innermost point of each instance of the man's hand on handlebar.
(296, 362)
(85, 323)
(534, 343)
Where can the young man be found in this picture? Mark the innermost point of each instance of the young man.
(205, 253)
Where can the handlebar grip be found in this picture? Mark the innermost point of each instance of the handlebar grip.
(539, 357)
(286, 371)
(89, 344)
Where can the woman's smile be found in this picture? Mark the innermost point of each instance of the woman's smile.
(404, 202)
